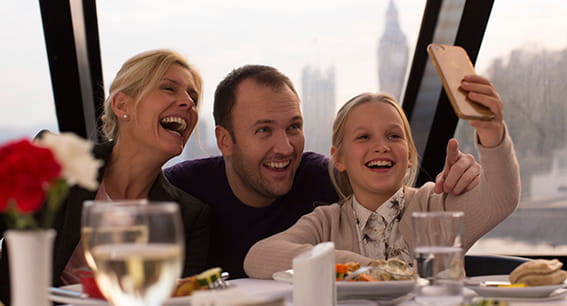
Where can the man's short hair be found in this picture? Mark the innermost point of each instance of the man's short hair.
(225, 94)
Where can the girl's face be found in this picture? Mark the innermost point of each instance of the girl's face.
(163, 120)
(375, 152)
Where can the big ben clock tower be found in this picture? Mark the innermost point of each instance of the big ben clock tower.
(392, 55)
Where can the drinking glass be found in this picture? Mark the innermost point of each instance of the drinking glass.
(131, 270)
(439, 257)
(87, 220)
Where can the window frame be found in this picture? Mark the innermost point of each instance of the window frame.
(73, 49)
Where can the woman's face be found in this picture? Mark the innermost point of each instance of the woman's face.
(164, 119)
(375, 151)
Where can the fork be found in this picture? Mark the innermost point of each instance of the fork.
(356, 273)
(220, 282)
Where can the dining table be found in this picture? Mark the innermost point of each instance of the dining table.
(273, 288)
(272, 292)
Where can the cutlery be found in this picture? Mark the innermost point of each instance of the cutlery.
(69, 293)
(285, 276)
(485, 283)
(221, 282)
(356, 273)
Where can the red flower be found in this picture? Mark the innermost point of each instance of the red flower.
(26, 171)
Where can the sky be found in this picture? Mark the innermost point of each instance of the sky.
(218, 36)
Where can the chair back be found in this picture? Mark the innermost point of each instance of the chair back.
(478, 265)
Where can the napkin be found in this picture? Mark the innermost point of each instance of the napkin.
(314, 276)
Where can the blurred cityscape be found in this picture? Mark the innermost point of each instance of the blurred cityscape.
(318, 88)
(535, 116)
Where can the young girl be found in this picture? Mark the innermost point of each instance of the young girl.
(374, 159)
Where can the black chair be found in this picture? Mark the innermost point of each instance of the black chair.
(477, 265)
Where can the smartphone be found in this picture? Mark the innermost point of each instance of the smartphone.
(453, 64)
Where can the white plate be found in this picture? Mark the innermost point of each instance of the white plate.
(520, 292)
(361, 289)
(96, 302)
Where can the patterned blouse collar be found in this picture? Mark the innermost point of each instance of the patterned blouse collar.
(389, 210)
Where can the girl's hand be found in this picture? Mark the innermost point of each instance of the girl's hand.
(481, 91)
(461, 172)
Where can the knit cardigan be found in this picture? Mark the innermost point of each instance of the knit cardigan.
(485, 206)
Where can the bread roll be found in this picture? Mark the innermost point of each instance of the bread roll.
(553, 278)
(539, 272)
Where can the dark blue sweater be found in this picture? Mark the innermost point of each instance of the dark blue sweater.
(235, 227)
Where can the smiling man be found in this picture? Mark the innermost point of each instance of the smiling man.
(263, 148)
(264, 182)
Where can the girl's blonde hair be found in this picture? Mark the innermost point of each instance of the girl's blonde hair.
(137, 77)
(340, 179)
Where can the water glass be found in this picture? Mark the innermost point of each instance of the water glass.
(439, 257)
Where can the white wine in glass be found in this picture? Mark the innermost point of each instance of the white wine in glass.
(138, 232)
(133, 271)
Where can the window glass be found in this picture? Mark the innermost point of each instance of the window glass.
(25, 85)
(524, 53)
(329, 49)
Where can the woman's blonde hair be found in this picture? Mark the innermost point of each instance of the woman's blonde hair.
(140, 75)
(340, 179)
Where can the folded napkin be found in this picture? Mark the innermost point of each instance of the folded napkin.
(314, 276)
(233, 297)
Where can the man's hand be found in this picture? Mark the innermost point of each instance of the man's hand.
(461, 172)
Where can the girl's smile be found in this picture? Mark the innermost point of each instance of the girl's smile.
(375, 152)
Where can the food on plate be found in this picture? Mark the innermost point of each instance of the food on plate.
(380, 270)
(345, 269)
(209, 276)
(186, 286)
(391, 269)
(488, 303)
(341, 271)
(499, 284)
(539, 272)
(520, 285)
(365, 277)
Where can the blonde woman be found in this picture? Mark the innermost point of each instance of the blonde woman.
(148, 117)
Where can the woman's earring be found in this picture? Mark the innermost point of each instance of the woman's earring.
(125, 116)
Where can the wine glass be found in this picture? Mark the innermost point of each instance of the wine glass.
(139, 232)
(131, 270)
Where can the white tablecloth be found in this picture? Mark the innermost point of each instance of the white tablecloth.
(277, 289)
(273, 288)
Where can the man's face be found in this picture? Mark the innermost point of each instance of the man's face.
(268, 143)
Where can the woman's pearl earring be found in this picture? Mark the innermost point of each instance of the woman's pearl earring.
(125, 116)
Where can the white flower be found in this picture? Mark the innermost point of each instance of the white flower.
(74, 154)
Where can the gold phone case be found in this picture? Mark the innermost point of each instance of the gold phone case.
(453, 64)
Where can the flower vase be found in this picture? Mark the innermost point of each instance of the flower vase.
(30, 254)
